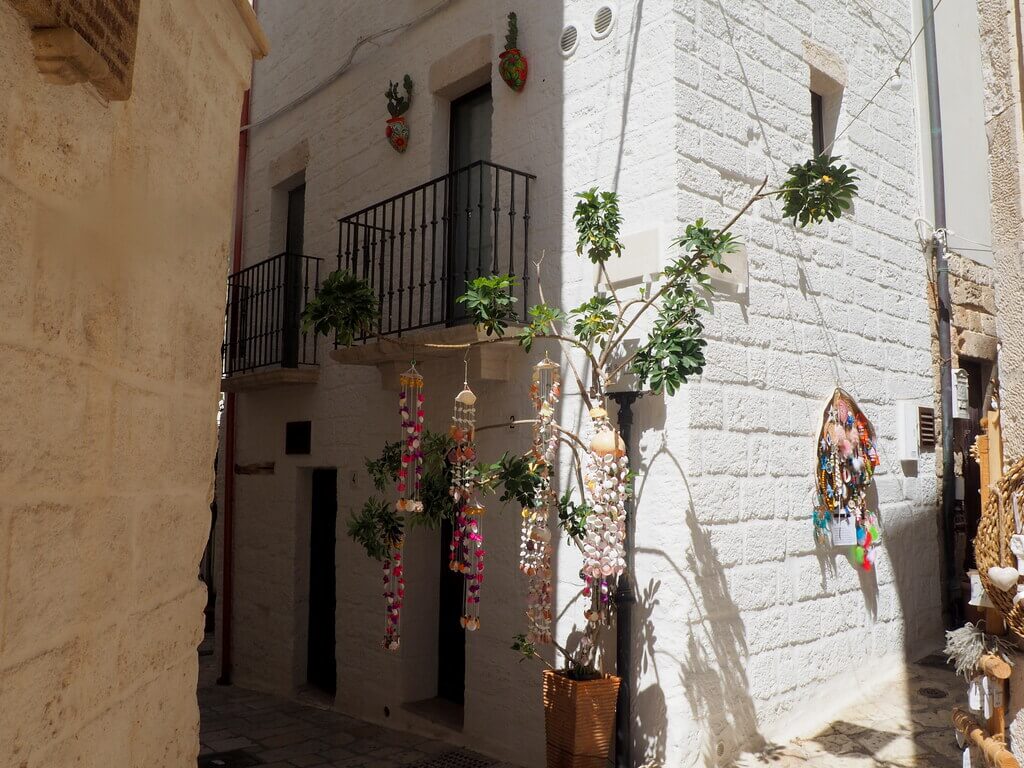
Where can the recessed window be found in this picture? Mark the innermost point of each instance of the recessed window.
(298, 437)
(817, 123)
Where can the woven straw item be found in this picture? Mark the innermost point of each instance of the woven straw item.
(579, 720)
(992, 543)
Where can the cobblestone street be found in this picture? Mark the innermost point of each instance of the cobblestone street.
(909, 727)
(241, 728)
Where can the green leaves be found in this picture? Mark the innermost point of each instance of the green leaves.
(817, 190)
(598, 221)
(490, 303)
(594, 320)
(376, 527)
(572, 517)
(344, 306)
(542, 321)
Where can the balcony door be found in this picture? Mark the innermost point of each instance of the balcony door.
(469, 195)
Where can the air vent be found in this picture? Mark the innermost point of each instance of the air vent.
(569, 40)
(926, 426)
(603, 20)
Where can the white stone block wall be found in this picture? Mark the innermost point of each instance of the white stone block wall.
(744, 632)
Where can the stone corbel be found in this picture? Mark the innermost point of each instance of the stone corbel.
(65, 58)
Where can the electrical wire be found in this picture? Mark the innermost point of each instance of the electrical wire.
(896, 73)
(347, 63)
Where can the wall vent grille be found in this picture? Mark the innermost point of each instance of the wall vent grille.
(926, 426)
(603, 20)
(569, 40)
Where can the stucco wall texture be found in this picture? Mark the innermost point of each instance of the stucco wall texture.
(744, 631)
(115, 221)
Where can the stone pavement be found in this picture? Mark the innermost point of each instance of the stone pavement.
(240, 728)
(907, 725)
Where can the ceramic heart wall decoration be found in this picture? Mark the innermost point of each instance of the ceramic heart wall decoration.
(1005, 578)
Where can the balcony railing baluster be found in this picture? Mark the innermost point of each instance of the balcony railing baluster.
(262, 316)
(465, 214)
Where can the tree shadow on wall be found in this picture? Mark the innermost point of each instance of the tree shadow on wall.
(712, 672)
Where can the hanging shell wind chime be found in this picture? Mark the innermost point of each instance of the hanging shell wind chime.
(466, 551)
(606, 479)
(410, 473)
(535, 549)
(847, 458)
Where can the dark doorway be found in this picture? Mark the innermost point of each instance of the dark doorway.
(451, 637)
(321, 667)
(470, 241)
(295, 231)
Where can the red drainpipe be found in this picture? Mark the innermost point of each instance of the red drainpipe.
(230, 414)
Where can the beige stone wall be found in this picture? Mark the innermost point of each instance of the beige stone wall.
(115, 221)
(999, 26)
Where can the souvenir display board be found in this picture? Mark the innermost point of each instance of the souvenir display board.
(847, 459)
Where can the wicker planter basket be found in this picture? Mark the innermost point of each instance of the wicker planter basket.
(992, 543)
(579, 720)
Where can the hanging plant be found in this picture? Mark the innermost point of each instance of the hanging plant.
(397, 130)
(512, 65)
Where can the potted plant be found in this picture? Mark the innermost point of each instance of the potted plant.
(512, 64)
(397, 130)
(579, 706)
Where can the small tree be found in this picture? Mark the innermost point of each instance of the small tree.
(670, 353)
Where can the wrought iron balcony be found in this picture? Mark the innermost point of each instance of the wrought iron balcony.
(262, 326)
(419, 249)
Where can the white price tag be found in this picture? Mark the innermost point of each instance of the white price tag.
(986, 697)
(974, 695)
(967, 758)
(844, 531)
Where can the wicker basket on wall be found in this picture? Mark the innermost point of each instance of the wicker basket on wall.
(579, 720)
(992, 543)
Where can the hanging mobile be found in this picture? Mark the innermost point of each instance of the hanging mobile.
(535, 549)
(606, 479)
(466, 552)
(410, 472)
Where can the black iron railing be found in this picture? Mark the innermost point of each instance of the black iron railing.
(420, 248)
(262, 324)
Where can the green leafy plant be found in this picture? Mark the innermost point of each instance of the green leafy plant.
(345, 306)
(593, 320)
(512, 36)
(817, 190)
(399, 105)
(542, 322)
(572, 516)
(376, 528)
(490, 303)
(597, 221)
(578, 666)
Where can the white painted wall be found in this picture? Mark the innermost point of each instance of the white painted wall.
(744, 632)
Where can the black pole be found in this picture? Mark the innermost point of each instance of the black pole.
(625, 599)
(942, 291)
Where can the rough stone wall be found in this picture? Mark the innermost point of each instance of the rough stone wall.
(744, 631)
(999, 25)
(114, 228)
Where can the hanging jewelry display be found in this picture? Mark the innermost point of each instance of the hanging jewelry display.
(847, 458)
(606, 477)
(466, 552)
(410, 472)
(535, 549)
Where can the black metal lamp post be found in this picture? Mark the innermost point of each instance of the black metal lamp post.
(625, 599)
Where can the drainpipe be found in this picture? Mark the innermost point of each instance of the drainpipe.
(944, 304)
(230, 414)
(625, 599)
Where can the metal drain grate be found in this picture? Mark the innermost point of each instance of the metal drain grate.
(457, 758)
(236, 758)
(932, 693)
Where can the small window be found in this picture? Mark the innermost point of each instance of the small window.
(297, 437)
(817, 123)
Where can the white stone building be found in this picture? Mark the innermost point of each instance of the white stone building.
(744, 631)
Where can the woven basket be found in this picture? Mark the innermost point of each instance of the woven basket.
(579, 720)
(992, 543)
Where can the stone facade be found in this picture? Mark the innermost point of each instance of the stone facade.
(111, 309)
(745, 632)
